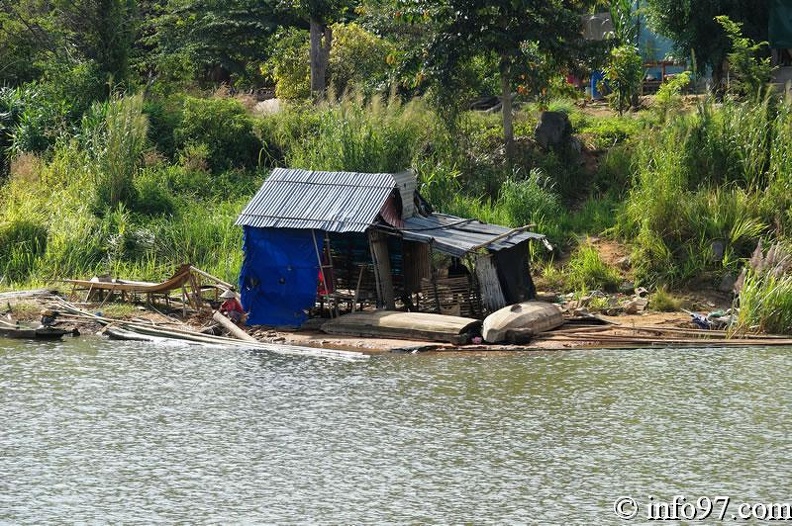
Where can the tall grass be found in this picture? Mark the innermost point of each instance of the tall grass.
(116, 148)
(586, 270)
(766, 292)
(530, 201)
(696, 206)
(378, 135)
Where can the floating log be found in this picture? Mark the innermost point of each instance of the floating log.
(117, 333)
(29, 333)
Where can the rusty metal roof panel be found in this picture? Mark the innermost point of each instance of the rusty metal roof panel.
(407, 184)
(457, 236)
(306, 199)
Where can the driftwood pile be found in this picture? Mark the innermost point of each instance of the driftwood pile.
(652, 336)
(145, 330)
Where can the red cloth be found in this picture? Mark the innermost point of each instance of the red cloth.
(232, 305)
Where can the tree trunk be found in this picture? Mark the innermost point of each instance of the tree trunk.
(506, 108)
(321, 38)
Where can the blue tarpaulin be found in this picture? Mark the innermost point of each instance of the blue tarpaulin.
(279, 275)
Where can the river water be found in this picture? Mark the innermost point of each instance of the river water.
(93, 431)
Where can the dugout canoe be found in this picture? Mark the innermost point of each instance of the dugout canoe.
(28, 333)
(519, 322)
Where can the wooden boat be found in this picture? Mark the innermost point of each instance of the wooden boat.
(404, 325)
(29, 333)
(519, 322)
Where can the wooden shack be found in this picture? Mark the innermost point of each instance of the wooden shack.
(344, 240)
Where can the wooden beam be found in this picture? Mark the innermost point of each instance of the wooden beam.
(232, 328)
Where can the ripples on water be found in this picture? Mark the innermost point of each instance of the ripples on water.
(107, 432)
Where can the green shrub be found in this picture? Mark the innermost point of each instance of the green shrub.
(224, 127)
(438, 184)
(380, 135)
(285, 131)
(116, 149)
(595, 216)
(164, 116)
(615, 170)
(668, 101)
(586, 270)
(749, 72)
(551, 277)
(602, 133)
(529, 201)
(153, 197)
(623, 74)
(204, 235)
(22, 243)
(663, 301)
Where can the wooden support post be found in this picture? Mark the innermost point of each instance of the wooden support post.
(378, 242)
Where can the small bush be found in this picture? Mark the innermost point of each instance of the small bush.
(663, 301)
(766, 291)
(529, 201)
(586, 270)
(550, 276)
(606, 132)
(378, 135)
(224, 128)
(118, 137)
(623, 74)
(153, 197)
(22, 243)
(668, 100)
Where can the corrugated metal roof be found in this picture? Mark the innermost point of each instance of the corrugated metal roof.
(457, 236)
(306, 199)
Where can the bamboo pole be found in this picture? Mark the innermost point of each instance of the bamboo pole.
(222, 340)
(210, 277)
(232, 328)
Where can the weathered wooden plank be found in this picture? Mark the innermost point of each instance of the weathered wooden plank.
(409, 325)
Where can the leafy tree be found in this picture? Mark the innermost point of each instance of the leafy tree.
(212, 41)
(288, 66)
(34, 33)
(320, 15)
(623, 73)
(360, 59)
(23, 41)
(691, 25)
(624, 21)
(624, 69)
(468, 28)
(33, 116)
(749, 74)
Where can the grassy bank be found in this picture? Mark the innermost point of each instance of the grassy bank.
(144, 185)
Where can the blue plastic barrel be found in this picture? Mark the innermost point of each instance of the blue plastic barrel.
(596, 77)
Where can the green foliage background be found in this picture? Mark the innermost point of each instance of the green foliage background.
(135, 149)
